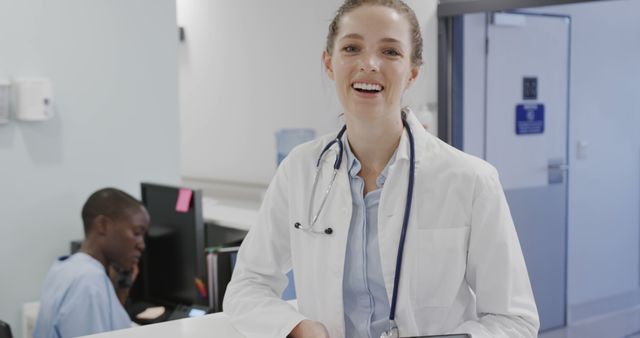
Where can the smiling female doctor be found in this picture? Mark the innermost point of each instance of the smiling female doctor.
(389, 231)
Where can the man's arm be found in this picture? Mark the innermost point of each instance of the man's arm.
(86, 309)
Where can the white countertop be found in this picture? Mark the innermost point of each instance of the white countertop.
(208, 326)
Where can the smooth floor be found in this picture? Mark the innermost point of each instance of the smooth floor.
(622, 324)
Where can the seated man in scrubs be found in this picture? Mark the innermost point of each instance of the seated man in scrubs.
(82, 293)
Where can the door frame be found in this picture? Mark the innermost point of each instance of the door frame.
(450, 114)
(450, 53)
(447, 8)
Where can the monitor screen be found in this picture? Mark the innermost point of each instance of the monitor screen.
(197, 312)
(174, 257)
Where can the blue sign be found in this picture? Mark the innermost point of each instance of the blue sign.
(529, 119)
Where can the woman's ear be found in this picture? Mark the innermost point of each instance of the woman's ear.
(328, 67)
(412, 78)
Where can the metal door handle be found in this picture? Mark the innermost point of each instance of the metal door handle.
(559, 166)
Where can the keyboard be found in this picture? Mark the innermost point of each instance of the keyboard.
(180, 312)
(183, 311)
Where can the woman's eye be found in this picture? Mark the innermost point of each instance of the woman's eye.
(350, 49)
(391, 52)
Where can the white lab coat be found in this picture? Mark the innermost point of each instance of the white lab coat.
(463, 269)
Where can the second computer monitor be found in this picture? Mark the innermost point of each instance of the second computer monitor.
(173, 266)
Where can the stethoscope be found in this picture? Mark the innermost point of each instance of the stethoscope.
(392, 332)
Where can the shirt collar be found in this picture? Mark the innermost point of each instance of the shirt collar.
(355, 166)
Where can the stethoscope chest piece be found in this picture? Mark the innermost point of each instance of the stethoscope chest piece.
(325, 231)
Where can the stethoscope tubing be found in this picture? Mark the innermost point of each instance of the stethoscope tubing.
(338, 141)
(405, 222)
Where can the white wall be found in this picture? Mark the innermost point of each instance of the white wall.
(113, 65)
(604, 187)
(249, 68)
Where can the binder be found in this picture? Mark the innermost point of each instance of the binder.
(220, 261)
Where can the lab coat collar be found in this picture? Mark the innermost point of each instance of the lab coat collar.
(422, 139)
(420, 136)
(354, 165)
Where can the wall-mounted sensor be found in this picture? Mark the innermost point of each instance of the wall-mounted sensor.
(5, 101)
(33, 99)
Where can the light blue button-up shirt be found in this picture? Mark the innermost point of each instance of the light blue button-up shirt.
(366, 305)
(78, 299)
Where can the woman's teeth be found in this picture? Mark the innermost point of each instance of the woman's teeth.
(367, 87)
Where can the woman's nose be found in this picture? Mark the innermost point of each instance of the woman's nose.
(369, 63)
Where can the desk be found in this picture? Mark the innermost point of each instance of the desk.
(208, 326)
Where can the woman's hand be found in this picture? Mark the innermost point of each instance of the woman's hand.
(309, 329)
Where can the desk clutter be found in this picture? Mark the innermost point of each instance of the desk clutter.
(144, 313)
(151, 313)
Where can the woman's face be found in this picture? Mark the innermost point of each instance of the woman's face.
(371, 61)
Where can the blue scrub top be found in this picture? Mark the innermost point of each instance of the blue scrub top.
(78, 299)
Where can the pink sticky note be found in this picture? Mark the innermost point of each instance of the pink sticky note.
(184, 198)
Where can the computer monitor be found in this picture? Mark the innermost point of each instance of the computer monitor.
(174, 257)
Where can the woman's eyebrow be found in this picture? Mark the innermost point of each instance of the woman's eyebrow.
(391, 40)
(352, 36)
(359, 37)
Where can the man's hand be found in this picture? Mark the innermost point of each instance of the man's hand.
(115, 275)
(309, 329)
(122, 291)
(134, 273)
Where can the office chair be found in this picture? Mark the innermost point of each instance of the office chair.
(5, 330)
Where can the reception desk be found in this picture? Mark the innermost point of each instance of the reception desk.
(208, 326)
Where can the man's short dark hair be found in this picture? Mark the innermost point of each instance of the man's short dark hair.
(109, 202)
